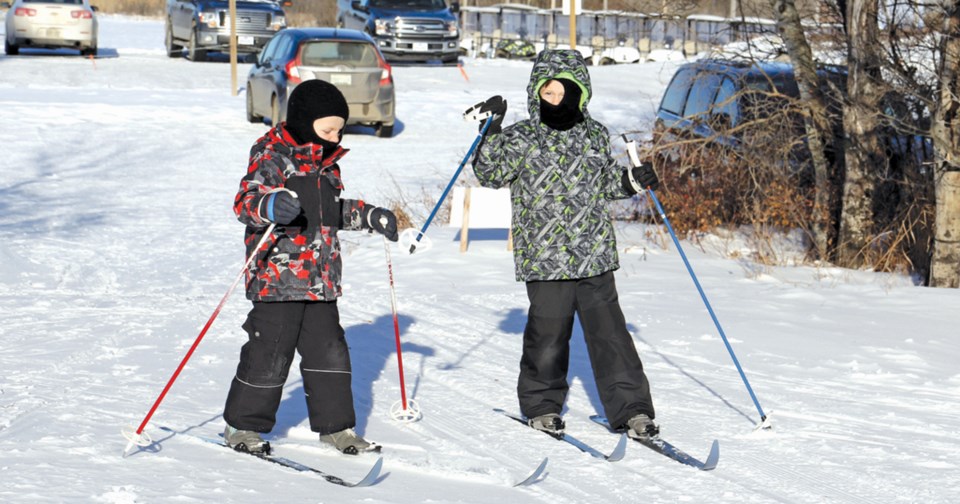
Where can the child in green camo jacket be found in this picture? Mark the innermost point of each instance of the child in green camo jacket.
(561, 174)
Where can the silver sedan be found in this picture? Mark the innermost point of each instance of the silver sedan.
(51, 24)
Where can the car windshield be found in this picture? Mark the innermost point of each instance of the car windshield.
(330, 53)
(416, 4)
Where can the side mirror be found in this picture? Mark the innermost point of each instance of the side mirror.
(357, 6)
(454, 7)
(5, 5)
(94, 8)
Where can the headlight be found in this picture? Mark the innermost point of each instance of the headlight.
(279, 23)
(210, 19)
(452, 28)
(383, 26)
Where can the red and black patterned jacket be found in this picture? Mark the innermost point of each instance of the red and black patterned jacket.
(301, 261)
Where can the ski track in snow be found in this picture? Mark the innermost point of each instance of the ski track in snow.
(117, 241)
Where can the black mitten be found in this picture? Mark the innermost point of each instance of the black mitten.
(639, 178)
(380, 220)
(495, 106)
(280, 207)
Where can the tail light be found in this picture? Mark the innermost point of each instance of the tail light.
(386, 73)
(25, 11)
(81, 14)
(293, 70)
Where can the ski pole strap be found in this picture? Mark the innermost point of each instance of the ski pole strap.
(453, 179)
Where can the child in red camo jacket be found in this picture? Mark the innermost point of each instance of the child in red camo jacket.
(293, 181)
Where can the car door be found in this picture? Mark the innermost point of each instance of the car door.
(181, 18)
(354, 18)
(259, 80)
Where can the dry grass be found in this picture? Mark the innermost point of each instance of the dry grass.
(132, 7)
(301, 13)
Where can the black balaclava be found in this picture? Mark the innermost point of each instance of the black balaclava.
(565, 114)
(310, 101)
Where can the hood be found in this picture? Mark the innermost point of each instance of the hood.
(553, 64)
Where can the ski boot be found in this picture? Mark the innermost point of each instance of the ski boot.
(642, 428)
(246, 441)
(551, 423)
(349, 442)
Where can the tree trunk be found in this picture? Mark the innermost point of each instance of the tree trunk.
(945, 265)
(865, 156)
(816, 122)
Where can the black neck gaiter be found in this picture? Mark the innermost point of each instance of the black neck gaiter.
(565, 114)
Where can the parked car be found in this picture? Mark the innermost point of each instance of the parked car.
(51, 24)
(204, 25)
(727, 104)
(406, 30)
(348, 59)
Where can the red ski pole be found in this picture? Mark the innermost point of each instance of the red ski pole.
(408, 411)
(138, 437)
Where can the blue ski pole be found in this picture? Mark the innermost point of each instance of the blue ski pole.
(453, 179)
(663, 215)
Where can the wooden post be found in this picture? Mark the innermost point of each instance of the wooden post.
(570, 9)
(465, 223)
(233, 47)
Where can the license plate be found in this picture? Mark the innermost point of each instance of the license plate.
(420, 46)
(245, 40)
(341, 79)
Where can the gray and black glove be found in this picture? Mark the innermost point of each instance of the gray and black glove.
(495, 106)
(639, 179)
(281, 207)
(380, 220)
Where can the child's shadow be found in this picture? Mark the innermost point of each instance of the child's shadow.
(372, 346)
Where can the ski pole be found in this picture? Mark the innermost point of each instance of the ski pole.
(137, 437)
(413, 412)
(453, 179)
(663, 215)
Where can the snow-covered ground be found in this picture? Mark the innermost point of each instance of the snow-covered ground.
(117, 241)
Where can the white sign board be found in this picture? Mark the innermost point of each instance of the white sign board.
(577, 7)
(489, 208)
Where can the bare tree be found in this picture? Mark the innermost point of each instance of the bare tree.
(945, 266)
(815, 120)
(865, 155)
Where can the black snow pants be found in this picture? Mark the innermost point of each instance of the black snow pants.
(542, 386)
(275, 331)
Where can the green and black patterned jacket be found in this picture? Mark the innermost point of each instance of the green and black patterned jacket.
(560, 182)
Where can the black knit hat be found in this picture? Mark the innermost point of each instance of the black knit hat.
(310, 101)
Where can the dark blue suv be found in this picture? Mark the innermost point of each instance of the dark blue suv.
(406, 30)
(726, 107)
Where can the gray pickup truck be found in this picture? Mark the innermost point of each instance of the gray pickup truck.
(204, 25)
(406, 30)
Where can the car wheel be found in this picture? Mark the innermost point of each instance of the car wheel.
(89, 51)
(384, 130)
(193, 51)
(274, 111)
(254, 118)
(173, 50)
(10, 49)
